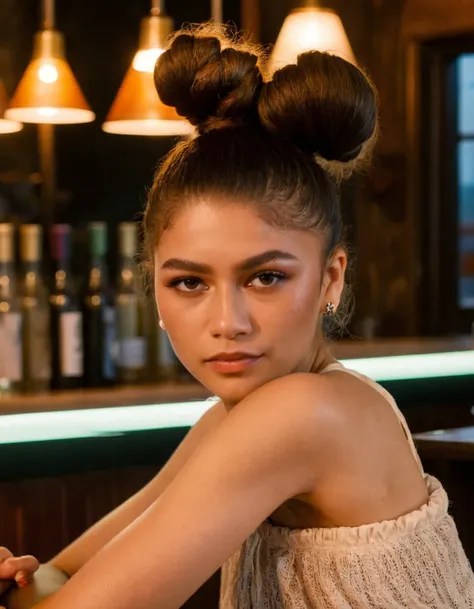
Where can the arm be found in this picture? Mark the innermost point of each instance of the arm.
(53, 575)
(262, 454)
(72, 558)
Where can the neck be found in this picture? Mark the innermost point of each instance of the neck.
(319, 360)
(6, 280)
(97, 272)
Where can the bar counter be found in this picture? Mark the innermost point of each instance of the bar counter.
(66, 459)
(432, 381)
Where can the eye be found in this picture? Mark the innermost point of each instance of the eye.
(185, 284)
(267, 279)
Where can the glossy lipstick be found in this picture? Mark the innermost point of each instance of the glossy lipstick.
(229, 363)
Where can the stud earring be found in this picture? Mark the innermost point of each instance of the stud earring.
(330, 308)
(161, 324)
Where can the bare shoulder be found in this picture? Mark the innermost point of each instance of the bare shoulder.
(296, 407)
(319, 408)
(296, 393)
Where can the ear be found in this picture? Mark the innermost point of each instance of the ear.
(333, 281)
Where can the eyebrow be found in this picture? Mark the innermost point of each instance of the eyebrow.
(245, 265)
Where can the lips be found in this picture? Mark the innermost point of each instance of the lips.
(231, 363)
(232, 357)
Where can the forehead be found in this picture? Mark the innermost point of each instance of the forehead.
(229, 231)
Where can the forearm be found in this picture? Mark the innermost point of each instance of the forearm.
(47, 580)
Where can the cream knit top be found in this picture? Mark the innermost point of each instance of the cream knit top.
(414, 562)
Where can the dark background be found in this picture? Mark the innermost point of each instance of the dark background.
(104, 177)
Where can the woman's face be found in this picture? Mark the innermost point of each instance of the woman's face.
(241, 300)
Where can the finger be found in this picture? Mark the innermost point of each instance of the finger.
(4, 553)
(22, 578)
(11, 566)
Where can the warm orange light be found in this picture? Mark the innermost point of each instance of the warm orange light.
(310, 29)
(6, 126)
(137, 109)
(48, 91)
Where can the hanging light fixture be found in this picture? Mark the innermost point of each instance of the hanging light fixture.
(311, 27)
(48, 92)
(137, 109)
(6, 126)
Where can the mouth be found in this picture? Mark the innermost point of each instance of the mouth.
(228, 363)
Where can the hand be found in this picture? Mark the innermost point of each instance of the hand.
(18, 569)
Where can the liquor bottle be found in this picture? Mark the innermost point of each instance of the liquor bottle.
(35, 312)
(130, 311)
(163, 365)
(66, 317)
(169, 366)
(10, 317)
(98, 312)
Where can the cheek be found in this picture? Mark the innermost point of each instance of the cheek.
(295, 312)
(303, 298)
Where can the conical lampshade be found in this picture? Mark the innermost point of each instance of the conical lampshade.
(48, 92)
(6, 126)
(137, 109)
(312, 28)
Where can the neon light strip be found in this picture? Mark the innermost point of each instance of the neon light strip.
(45, 426)
(406, 367)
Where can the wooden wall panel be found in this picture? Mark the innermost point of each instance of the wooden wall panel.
(41, 516)
(437, 18)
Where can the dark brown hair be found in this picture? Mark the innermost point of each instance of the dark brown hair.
(279, 144)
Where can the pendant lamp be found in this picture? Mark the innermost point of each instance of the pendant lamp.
(48, 92)
(137, 109)
(311, 27)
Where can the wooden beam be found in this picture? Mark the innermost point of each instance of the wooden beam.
(250, 11)
(437, 18)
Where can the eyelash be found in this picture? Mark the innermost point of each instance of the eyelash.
(174, 283)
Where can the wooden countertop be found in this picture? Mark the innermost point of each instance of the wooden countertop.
(457, 444)
(83, 399)
(350, 349)
(168, 393)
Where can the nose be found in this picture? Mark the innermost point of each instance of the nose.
(229, 315)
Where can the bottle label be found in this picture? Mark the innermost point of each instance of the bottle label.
(166, 354)
(37, 349)
(71, 344)
(131, 343)
(132, 352)
(110, 343)
(10, 347)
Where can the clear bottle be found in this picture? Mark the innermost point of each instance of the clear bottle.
(36, 337)
(130, 311)
(99, 313)
(66, 316)
(10, 316)
(163, 365)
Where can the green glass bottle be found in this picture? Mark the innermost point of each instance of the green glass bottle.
(130, 311)
(35, 311)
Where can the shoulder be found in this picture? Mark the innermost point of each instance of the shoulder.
(294, 412)
(298, 393)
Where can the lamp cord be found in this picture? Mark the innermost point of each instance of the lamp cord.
(48, 15)
(157, 8)
(216, 11)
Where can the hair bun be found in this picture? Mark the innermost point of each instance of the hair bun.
(324, 104)
(208, 85)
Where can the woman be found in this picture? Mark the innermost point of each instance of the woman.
(302, 481)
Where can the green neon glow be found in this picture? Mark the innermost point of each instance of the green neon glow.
(406, 367)
(46, 426)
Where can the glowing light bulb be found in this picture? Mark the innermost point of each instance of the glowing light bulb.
(48, 73)
(46, 112)
(145, 59)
